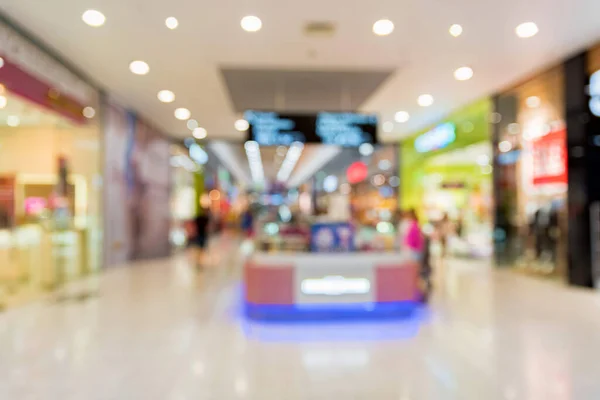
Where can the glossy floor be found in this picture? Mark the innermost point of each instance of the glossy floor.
(159, 330)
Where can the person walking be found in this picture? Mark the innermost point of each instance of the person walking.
(412, 237)
(202, 224)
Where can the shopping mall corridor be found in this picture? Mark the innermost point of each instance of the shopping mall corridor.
(161, 330)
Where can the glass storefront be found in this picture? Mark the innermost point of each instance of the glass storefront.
(446, 177)
(531, 176)
(50, 179)
(187, 182)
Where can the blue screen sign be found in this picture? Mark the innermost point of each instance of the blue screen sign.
(345, 129)
(437, 138)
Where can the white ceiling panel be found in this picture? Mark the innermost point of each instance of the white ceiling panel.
(187, 60)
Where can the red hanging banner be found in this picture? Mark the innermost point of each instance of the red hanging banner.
(550, 158)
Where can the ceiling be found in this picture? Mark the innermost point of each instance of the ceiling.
(423, 55)
(301, 91)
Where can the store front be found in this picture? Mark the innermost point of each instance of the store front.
(532, 176)
(50, 172)
(137, 188)
(187, 188)
(593, 162)
(446, 177)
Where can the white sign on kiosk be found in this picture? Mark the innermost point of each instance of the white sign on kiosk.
(335, 286)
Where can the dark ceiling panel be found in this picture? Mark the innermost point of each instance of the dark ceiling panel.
(300, 91)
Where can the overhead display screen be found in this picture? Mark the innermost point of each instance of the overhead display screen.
(342, 129)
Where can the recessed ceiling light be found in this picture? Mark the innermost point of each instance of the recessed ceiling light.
(388, 126)
(533, 102)
(456, 30)
(401, 117)
(527, 30)
(182, 114)
(250, 23)
(425, 100)
(242, 125)
(383, 27)
(199, 133)
(89, 112)
(93, 18)
(3, 101)
(166, 96)
(192, 124)
(139, 67)
(13, 120)
(172, 23)
(463, 74)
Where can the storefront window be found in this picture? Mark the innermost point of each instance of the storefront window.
(447, 178)
(50, 191)
(532, 179)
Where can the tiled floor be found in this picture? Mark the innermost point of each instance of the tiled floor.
(158, 330)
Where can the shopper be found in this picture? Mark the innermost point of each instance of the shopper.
(412, 238)
(202, 224)
(418, 245)
(248, 223)
(445, 230)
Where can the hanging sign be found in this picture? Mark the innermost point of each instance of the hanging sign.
(347, 129)
(437, 138)
(550, 158)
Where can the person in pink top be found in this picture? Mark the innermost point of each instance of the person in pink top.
(413, 238)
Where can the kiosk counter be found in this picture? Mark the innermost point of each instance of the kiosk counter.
(325, 286)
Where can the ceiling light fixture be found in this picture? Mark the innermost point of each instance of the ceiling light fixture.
(425, 100)
(388, 126)
(251, 23)
(242, 125)
(533, 102)
(456, 30)
(463, 74)
(527, 30)
(13, 120)
(3, 101)
(401, 117)
(198, 154)
(89, 112)
(182, 114)
(255, 161)
(291, 159)
(172, 23)
(192, 124)
(93, 18)
(139, 67)
(200, 133)
(383, 27)
(166, 96)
